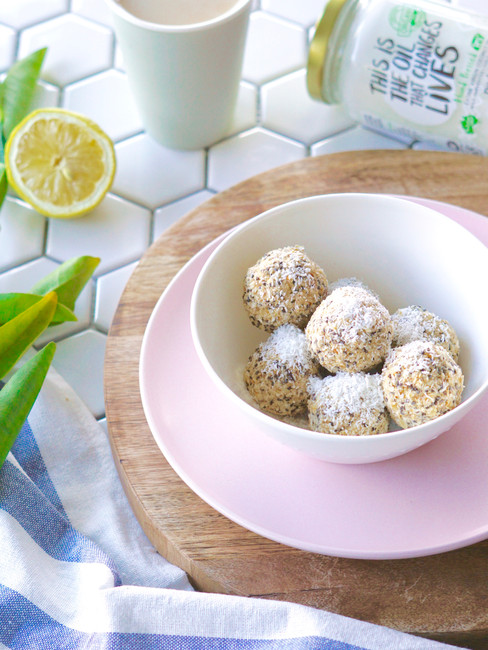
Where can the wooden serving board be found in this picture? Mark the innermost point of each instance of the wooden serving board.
(443, 597)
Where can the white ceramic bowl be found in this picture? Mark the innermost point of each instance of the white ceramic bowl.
(407, 253)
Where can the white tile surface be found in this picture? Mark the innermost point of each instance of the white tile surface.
(20, 13)
(22, 232)
(247, 154)
(96, 10)
(275, 123)
(288, 109)
(116, 231)
(246, 113)
(79, 359)
(21, 278)
(305, 12)
(76, 47)
(46, 94)
(169, 214)
(356, 138)
(109, 289)
(97, 96)
(8, 39)
(274, 47)
(151, 175)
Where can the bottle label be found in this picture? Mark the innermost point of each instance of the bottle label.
(427, 74)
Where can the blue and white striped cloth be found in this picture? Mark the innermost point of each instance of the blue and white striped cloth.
(76, 570)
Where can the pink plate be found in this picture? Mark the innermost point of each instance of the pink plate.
(430, 500)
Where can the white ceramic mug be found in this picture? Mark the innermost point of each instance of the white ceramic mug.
(184, 77)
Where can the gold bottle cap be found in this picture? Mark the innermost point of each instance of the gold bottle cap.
(318, 48)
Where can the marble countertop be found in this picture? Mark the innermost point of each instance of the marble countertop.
(275, 122)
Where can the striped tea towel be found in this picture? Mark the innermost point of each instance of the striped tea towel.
(76, 570)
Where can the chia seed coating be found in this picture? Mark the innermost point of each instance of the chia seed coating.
(277, 373)
(348, 404)
(414, 323)
(350, 282)
(420, 381)
(350, 331)
(284, 286)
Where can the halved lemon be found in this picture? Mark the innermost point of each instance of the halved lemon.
(60, 162)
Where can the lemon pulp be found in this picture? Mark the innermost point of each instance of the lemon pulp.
(60, 162)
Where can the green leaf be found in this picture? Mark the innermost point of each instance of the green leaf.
(2, 141)
(12, 304)
(18, 89)
(19, 394)
(68, 279)
(20, 332)
(3, 183)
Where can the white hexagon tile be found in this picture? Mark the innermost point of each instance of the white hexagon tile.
(109, 289)
(77, 47)
(93, 9)
(249, 153)
(117, 231)
(305, 12)
(287, 108)
(275, 122)
(7, 51)
(152, 175)
(109, 87)
(23, 13)
(22, 234)
(274, 47)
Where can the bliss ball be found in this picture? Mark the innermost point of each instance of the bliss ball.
(284, 286)
(414, 323)
(350, 331)
(348, 404)
(350, 282)
(420, 381)
(277, 373)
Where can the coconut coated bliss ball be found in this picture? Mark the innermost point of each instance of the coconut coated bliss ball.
(350, 331)
(350, 282)
(348, 404)
(414, 323)
(277, 373)
(284, 286)
(420, 381)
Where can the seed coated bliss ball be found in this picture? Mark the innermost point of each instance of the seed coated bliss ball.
(277, 373)
(420, 381)
(349, 404)
(350, 331)
(414, 323)
(350, 282)
(284, 286)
